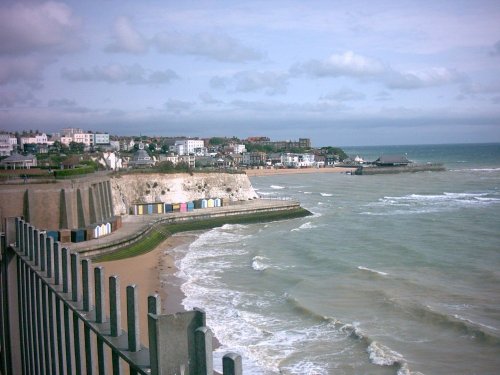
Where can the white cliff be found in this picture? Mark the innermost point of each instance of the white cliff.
(177, 188)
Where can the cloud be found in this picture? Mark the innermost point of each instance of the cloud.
(206, 98)
(496, 49)
(116, 73)
(10, 99)
(61, 103)
(178, 106)
(271, 83)
(214, 46)
(353, 65)
(25, 69)
(345, 94)
(383, 96)
(419, 79)
(346, 64)
(126, 38)
(32, 27)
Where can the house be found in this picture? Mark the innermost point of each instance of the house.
(19, 161)
(141, 158)
(392, 161)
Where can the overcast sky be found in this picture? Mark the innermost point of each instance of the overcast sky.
(339, 72)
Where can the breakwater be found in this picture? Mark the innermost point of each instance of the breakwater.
(370, 170)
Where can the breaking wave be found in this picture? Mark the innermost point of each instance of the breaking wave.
(421, 203)
(307, 225)
(372, 270)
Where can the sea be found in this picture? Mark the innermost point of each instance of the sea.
(391, 274)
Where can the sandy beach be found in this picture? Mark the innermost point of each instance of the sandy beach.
(272, 172)
(154, 272)
(149, 271)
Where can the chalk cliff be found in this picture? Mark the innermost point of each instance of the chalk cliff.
(177, 188)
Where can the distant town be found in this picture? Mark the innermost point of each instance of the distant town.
(73, 147)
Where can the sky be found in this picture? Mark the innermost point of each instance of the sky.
(338, 72)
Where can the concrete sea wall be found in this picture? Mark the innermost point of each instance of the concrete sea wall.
(85, 201)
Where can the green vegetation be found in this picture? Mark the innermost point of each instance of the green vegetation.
(163, 231)
(335, 151)
(63, 173)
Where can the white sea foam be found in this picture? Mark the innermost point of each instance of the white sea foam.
(383, 356)
(429, 203)
(372, 270)
(277, 187)
(326, 194)
(304, 226)
(259, 263)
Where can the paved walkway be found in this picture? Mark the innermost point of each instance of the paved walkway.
(134, 226)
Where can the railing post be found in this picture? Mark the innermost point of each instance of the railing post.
(87, 290)
(115, 318)
(57, 263)
(36, 247)
(75, 277)
(172, 341)
(65, 273)
(203, 346)
(134, 344)
(100, 316)
(43, 252)
(231, 364)
(49, 247)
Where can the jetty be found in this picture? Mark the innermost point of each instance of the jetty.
(373, 169)
(391, 164)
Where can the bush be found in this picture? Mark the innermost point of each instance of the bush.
(73, 172)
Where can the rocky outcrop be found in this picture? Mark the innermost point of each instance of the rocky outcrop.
(176, 188)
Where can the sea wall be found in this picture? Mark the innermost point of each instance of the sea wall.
(84, 201)
(67, 204)
(177, 188)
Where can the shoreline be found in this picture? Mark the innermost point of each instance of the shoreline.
(281, 171)
(153, 272)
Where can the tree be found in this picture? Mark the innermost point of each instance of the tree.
(152, 147)
(76, 148)
(217, 141)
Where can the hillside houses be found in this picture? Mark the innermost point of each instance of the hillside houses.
(121, 152)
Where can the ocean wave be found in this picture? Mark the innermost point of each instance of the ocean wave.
(455, 322)
(378, 353)
(473, 329)
(326, 194)
(429, 203)
(372, 270)
(258, 263)
(277, 187)
(307, 225)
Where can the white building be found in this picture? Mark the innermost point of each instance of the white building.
(101, 139)
(297, 160)
(66, 140)
(86, 138)
(69, 132)
(6, 144)
(188, 146)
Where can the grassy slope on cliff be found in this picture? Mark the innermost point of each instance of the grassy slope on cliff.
(161, 232)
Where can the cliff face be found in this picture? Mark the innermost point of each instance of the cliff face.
(177, 188)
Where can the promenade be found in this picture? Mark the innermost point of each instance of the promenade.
(136, 226)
